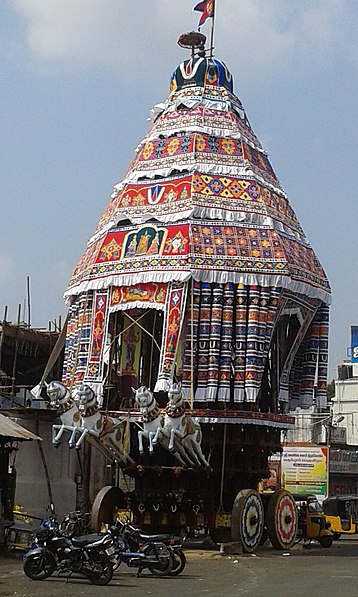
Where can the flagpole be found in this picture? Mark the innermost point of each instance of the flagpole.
(212, 32)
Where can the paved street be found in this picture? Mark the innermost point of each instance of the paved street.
(315, 571)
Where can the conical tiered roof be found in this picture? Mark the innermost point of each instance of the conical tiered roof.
(200, 200)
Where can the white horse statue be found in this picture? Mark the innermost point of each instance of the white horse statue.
(152, 420)
(151, 416)
(181, 429)
(112, 436)
(60, 397)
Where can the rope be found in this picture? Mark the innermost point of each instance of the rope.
(135, 322)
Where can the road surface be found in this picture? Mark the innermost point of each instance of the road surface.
(315, 572)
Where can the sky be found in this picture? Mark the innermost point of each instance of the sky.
(78, 78)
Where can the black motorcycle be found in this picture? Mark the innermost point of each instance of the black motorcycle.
(85, 555)
(134, 540)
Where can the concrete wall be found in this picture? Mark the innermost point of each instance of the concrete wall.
(345, 403)
(308, 426)
(68, 478)
(31, 485)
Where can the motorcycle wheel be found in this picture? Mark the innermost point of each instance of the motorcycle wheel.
(179, 562)
(39, 566)
(101, 569)
(162, 568)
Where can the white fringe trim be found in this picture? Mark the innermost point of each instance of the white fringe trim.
(204, 275)
(224, 394)
(201, 394)
(283, 396)
(181, 99)
(162, 385)
(136, 305)
(198, 211)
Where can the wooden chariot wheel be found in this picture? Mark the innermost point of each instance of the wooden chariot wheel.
(281, 519)
(107, 500)
(247, 519)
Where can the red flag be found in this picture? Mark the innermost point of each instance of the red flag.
(207, 7)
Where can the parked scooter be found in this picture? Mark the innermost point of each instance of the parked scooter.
(137, 540)
(86, 555)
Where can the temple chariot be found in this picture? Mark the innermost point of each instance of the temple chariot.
(198, 302)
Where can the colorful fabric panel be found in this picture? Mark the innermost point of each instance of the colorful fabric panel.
(314, 370)
(241, 311)
(215, 341)
(99, 327)
(189, 149)
(140, 296)
(321, 394)
(189, 362)
(227, 344)
(78, 337)
(174, 317)
(203, 341)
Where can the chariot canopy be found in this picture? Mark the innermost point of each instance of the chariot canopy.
(199, 270)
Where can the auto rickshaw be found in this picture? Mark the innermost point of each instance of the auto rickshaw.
(312, 523)
(342, 512)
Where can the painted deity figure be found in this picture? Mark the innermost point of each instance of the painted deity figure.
(143, 242)
(132, 248)
(154, 245)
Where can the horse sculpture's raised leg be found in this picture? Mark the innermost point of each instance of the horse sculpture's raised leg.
(147, 435)
(151, 436)
(177, 450)
(200, 456)
(176, 434)
(56, 437)
(140, 441)
(72, 439)
(82, 437)
(158, 433)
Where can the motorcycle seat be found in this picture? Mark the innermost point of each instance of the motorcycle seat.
(162, 538)
(85, 539)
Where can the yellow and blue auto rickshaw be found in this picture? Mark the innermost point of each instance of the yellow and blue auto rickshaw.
(342, 512)
(312, 523)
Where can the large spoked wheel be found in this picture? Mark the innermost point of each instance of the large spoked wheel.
(247, 519)
(164, 566)
(40, 565)
(107, 500)
(101, 569)
(282, 519)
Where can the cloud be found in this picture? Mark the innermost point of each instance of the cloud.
(136, 40)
